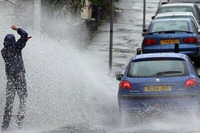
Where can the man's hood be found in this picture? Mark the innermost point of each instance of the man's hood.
(9, 40)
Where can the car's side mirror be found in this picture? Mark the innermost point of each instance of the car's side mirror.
(144, 30)
(165, 2)
(198, 31)
(153, 17)
(144, 34)
(119, 77)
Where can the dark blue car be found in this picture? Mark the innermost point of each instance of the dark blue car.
(162, 35)
(168, 81)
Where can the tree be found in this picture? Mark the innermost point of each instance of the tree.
(71, 4)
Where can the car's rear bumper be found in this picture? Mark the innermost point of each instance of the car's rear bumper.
(168, 102)
(192, 50)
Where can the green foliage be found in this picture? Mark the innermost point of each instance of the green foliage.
(73, 3)
(72, 6)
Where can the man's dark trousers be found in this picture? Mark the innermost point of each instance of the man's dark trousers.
(15, 84)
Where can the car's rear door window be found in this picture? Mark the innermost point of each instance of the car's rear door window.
(158, 68)
(176, 9)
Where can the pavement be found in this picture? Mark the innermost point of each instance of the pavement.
(127, 33)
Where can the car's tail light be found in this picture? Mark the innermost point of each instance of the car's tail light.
(149, 41)
(191, 83)
(190, 40)
(125, 85)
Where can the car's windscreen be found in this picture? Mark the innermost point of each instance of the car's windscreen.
(158, 68)
(175, 9)
(172, 25)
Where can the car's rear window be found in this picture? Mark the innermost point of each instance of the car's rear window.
(174, 17)
(158, 68)
(178, 25)
(175, 9)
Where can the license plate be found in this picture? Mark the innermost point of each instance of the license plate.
(150, 88)
(169, 41)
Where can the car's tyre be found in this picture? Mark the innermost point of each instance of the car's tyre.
(197, 61)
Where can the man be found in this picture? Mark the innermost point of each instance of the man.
(15, 72)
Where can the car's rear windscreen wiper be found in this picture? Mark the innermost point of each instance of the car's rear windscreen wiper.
(167, 72)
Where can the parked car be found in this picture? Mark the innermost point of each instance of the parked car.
(162, 34)
(172, 15)
(180, 7)
(161, 2)
(197, 2)
(183, 1)
(164, 81)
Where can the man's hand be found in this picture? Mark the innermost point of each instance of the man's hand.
(29, 37)
(14, 27)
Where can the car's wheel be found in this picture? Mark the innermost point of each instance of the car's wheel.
(197, 61)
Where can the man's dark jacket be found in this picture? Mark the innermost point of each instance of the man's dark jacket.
(12, 53)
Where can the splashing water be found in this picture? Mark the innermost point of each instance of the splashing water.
(69, 86)
(66, 85)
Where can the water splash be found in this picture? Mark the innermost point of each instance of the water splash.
(66, 84)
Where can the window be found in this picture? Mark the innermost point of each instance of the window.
(154, 68)
(194, 28)
(170, 26)
(193, 67)
(176, 9)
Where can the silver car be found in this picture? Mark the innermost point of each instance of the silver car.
(180, 7)
(172, 15)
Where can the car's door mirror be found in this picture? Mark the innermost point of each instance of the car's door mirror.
(198, 31)
(119, 77)
(153, 17)
(144, 30)
(144, 34)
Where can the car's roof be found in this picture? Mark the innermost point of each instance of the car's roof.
(170, 19)
(178, 4)
(174, 14)
(161, 55)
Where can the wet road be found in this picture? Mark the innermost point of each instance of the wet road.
(69, 88)
(127, 36)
